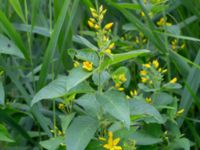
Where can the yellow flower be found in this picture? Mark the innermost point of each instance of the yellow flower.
(148, 100)
(155, 63)
(108, 26)
(112, 143)
(88, 65)
(91, 24)
(144, 80)
(143, 72)
(95, 15)
(122, 77)
(147, 65)
(173, 80)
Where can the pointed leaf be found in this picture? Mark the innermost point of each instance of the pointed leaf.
(80, 132)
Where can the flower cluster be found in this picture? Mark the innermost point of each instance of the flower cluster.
(102, 32)
(163, 22)
(119, 80)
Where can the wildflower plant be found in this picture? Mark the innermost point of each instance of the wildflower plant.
(103, 84)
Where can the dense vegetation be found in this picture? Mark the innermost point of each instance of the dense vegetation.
(99, 74)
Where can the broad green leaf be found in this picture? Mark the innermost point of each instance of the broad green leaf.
(51, 48)
(139, 107)
(8, 28)
(83, 41)
(80, 132)
(117, 58)
(65, 121)
(88, 55)
(90, 104)
(161, 99)
(115, 103)
(62, 85)
(192, 82)
(143, 138)
(100, 79)
(171, 86)
(17, 7)
(182, 143)
(4, 135)
(2, 94)
(8, 47)
(53, 143)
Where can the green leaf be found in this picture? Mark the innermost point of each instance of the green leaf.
(83, 41)
(115, 103)
(17, 7)
(2, 93)
(90, 104)
(122, 70)
(62, 85)
(65, 121)
(182, 143)
(13, 35)
(117, 58)
(88, 55)
(161, 99)
(80, 132)
(139, 107)
(53, 143)
(53, 43)
(101, 79)
(4, 135)
(8, 47)
(171, 86)
(143, 138)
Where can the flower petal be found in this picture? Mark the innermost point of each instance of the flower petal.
(116, 141)
(107, 146)
(118, 148)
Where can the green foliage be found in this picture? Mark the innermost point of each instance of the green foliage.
(85, 74)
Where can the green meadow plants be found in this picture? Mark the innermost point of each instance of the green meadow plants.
(99, 75)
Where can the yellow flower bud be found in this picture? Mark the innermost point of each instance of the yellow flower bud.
(122, 77)
(147, 65)
(91, 24)
(144, 80)
(155, 63)
(95, 15)
(61, 106)
(101, 8)
(174, 80)
(108, 26)
(92, 20)
(180, 112)
(108, 51)
(121, 89)
(76, 64)
(148, 100)
(143, 72)
(111, 46)
(97, 27)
